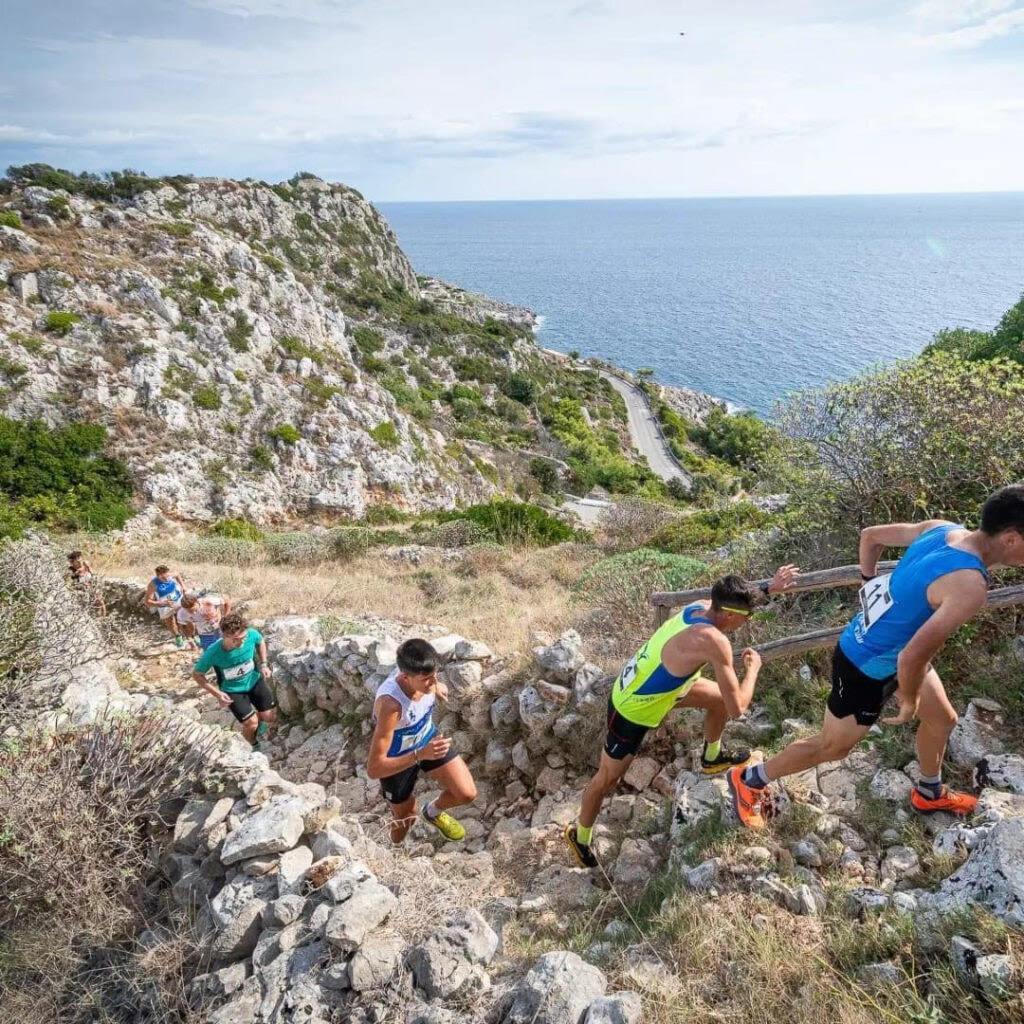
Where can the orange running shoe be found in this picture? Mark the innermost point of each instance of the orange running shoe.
(949, 800)
(748, 803)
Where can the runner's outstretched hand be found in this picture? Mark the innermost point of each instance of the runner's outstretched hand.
(784, 578)
(436, 748)
(224, 698)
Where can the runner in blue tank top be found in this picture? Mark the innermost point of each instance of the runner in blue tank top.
(905, 618)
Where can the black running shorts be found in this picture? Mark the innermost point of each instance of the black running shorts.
(854, 693)
(245, 704)
(398, 788)
(624, 737)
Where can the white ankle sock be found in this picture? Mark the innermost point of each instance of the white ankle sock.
(431, 810)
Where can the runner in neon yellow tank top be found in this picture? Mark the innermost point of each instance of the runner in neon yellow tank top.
(666, 673)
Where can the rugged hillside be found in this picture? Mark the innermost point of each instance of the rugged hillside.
(265, 351)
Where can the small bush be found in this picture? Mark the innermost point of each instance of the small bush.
(236, 529)
(631, 522)
(518, 523)
(709, 528)
(348, 542)
(61, 322)
(239, 334)
(367, 340)
(177, 228)
(297, 548)
(320, 392)
(545, 473)
(740, 440)
(295, 348)
(261, 456)
(378, 515)
(285, 433)
(520, 388)
(457, 533)
(10, 219)
(276, 265)
(385, 434)
(206, 397)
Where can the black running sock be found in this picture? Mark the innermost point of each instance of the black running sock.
(755, 776)
(930, 786)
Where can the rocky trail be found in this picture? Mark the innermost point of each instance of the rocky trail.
(843, 835)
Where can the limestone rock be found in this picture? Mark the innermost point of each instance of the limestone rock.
(617, 1008)
(443, 963)
(375, 962)
(272, 829)
(1003, 771)
(889, 784)
(369, 906)
(558, 989)
(197, 821)
(562, 659)
(900, 862)
(292, 870)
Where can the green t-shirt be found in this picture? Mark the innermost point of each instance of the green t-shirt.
(236, 670)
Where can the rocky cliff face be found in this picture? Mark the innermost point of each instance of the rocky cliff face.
(254, 350)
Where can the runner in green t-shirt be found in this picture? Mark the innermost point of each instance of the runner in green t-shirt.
(239, 663)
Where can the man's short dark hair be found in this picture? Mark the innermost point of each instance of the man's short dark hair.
(233, 622)
(417, 657)
(162, 568)
(72, 555)
(734, 591)
(1004, 510)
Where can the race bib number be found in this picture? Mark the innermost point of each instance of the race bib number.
(629, 672)
(875, 600)
(238, 671)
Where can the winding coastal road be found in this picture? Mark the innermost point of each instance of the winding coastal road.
(646, 434)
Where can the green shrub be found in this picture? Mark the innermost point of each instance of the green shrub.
(236, 529)
(61, 322)
(513, 522)
(10, 219)
(304, 222)
(177, 228)
(385, 434)
(276, 265)
(261, 457)
(206, 397)
(29, 342)
(1005, 342)
(221, 551)
(286, 433)
(60, 478)
(545, 473)
(739, 440)
(367, 340)
(709, 528)
(320, 392)
(673, 572)
(929, 437)
(520, 388)
(378, 515)
(457, 533)
(239, 334)
(295, 348)
(348, 542)
(296, 548)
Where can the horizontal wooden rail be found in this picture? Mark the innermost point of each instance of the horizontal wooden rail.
(788, 646)
(822, 579)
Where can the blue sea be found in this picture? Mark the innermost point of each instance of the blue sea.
(748, 299)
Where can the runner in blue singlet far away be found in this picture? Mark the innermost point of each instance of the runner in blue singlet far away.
(163, 596)
(887, 649)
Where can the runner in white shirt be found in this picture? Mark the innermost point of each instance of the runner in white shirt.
(199, 617)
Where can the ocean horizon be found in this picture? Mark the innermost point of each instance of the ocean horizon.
(747, 298)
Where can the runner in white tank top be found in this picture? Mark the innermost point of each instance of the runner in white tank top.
(405, 742)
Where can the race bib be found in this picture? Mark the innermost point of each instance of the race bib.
(629, 672)
(412, 740)
(238, 671)
(875, 600)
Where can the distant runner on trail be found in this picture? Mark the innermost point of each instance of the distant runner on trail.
(239, 663)
(905, 618)
(82, 578)
(163, 596)
(666, 673)
(405, 742)
(199, 617)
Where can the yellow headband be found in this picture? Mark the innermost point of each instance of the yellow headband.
(737, 611)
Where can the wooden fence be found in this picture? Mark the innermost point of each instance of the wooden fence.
(824, 579)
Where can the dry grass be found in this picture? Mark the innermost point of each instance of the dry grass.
(496, 595)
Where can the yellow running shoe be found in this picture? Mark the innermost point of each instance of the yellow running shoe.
(446, 825)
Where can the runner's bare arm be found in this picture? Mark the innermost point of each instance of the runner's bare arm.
(378, 764)
(213, 691)
(736, 694)
(875, 539)
(151, 594)
(961, 596)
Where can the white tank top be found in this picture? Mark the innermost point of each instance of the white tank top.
(415, 727)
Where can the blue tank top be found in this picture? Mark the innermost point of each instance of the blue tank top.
(894, 607)
(166, 588)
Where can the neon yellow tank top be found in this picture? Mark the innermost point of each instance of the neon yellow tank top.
(646, 691)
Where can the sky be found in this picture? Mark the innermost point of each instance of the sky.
(532, 99)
